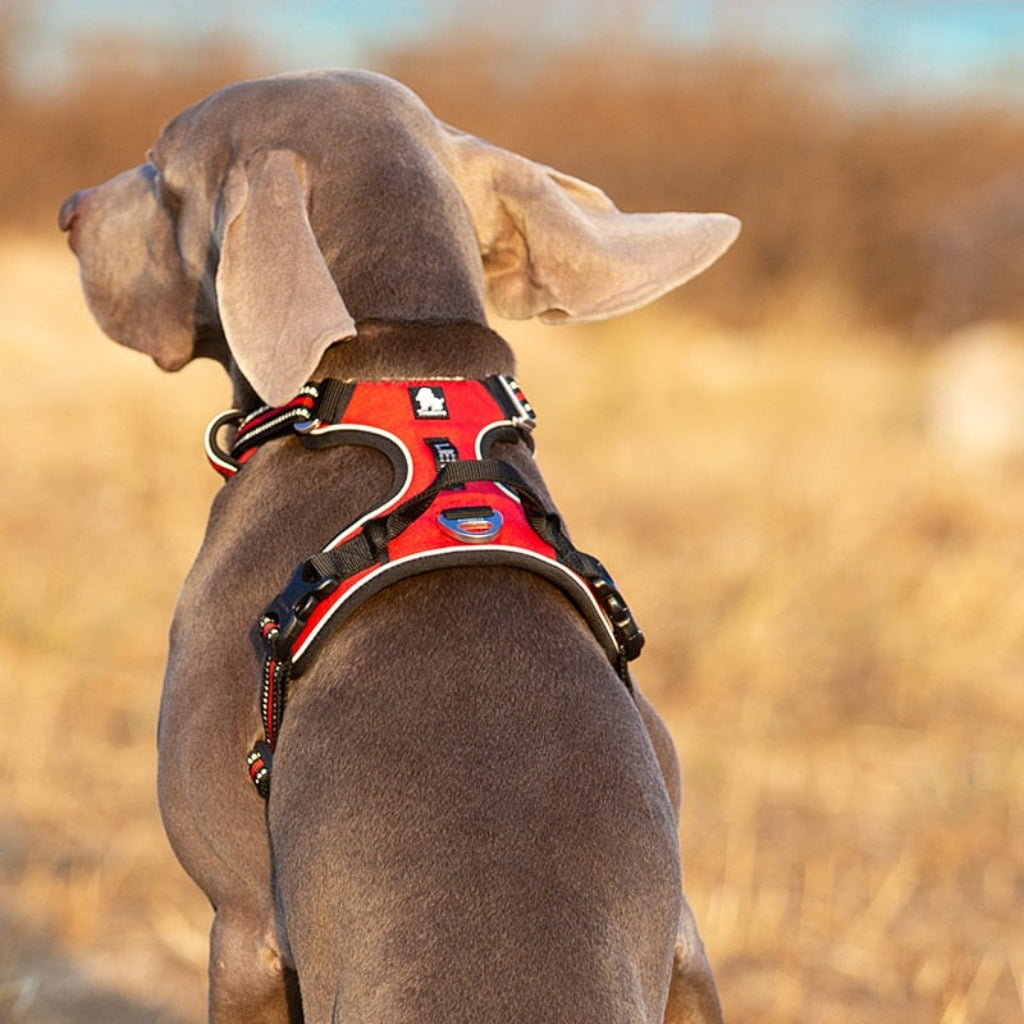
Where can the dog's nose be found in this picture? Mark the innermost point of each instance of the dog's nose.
(70, 211)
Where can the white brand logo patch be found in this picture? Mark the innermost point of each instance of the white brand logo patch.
(429, 403)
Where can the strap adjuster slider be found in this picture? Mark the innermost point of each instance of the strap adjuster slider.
(628, 634)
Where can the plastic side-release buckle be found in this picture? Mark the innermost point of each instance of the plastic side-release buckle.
(293, 606)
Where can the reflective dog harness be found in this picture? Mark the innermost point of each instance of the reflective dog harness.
(451, 505)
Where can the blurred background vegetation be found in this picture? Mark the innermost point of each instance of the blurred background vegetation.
(826, 552)
(912, 213)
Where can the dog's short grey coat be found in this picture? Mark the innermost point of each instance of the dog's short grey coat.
(471, 819)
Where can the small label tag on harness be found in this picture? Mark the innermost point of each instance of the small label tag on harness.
(443, 451)
(428, 403)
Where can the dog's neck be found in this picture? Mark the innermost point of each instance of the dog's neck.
(394, 351)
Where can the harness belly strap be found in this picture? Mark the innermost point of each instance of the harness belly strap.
(451, 505)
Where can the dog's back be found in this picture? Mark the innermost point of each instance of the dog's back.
(467, 818)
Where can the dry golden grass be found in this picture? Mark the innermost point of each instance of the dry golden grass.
(835, 616)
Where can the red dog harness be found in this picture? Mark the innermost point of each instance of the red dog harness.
(451, 505)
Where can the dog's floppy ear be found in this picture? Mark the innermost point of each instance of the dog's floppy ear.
(279, 306)
(558, 248)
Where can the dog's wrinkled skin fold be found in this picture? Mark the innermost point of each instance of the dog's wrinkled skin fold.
(469, 819)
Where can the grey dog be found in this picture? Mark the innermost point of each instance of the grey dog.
(472, 819)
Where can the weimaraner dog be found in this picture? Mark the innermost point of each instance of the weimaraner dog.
(473, 814)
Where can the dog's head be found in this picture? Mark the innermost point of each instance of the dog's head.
(274, 215)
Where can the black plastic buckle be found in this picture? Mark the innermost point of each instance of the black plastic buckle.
(628, 634)
(292, 607)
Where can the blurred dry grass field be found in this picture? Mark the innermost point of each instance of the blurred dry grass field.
(811, 494)
(917, 214)
(835, 614)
